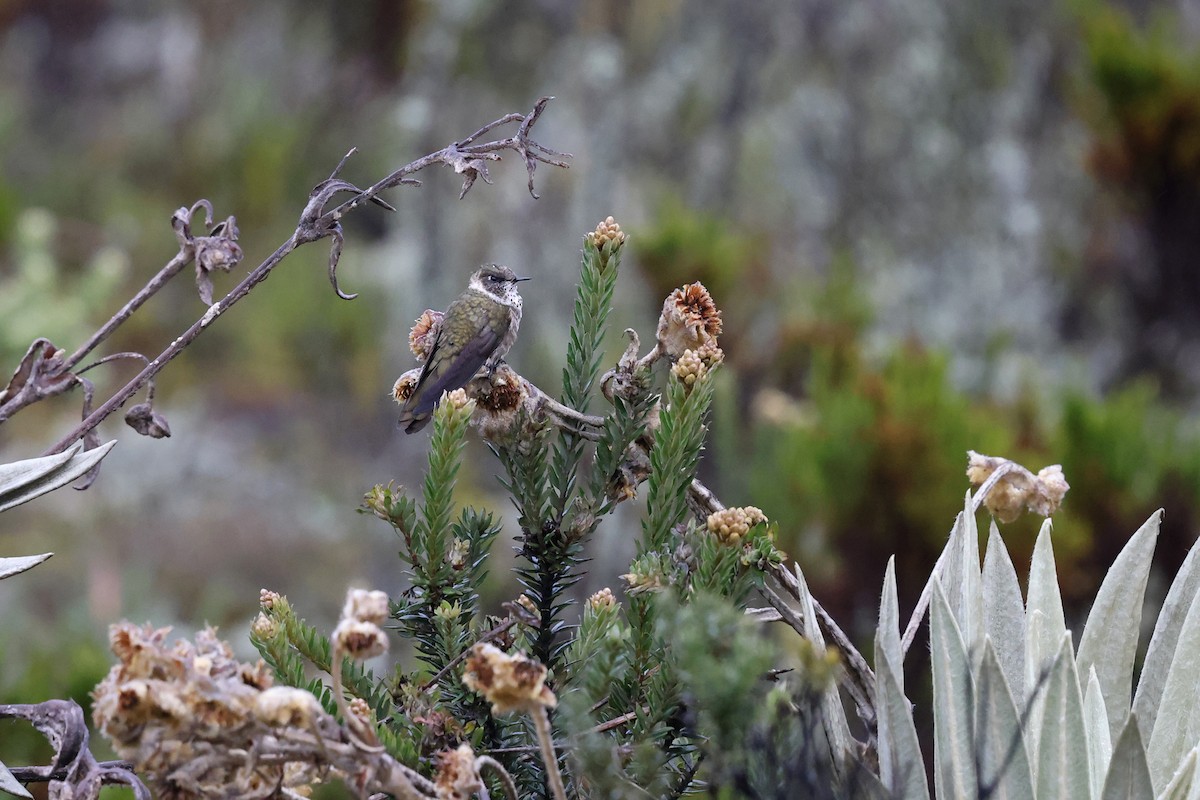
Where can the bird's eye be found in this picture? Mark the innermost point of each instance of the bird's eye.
(494, 278)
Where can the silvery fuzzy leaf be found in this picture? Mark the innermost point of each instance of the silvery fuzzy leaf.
(1110, 637)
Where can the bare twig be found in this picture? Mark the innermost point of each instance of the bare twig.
(74, 772)
(45, 372)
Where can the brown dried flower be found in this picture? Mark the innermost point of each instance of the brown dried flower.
(405, 385)
(148, 422)
(359, 640)
(498, 401)
(424, 332)
(1016, 489)
(366, 606)
(509, 682)
(689, 320)
(731, 524)
(457, 776)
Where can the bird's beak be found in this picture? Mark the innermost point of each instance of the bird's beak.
(518, 280)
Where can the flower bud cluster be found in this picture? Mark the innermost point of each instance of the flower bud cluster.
(732, 524)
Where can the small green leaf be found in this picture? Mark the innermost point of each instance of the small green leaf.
(1110, 637)
(953, 700)
(1004, 611)
(15, 565)
(10, 784)
(1128, 776)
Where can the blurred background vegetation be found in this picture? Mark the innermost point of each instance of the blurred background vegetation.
(932, 226)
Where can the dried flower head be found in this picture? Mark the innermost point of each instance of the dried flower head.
(509, 682)
(1016, 489)
(424, 333)
(689, 320)
(281, 706)
(499, 399)
(602, 600)
(405, 385)
(608, 231)
(641, 582)
(178, 710)
(731, 524)
(359, 640)
(148, 422)
(457, 776)
(365, 606)
(459, 550)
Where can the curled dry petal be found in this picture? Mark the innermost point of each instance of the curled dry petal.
(509, 682)
(148, 422)
(1016, 489)
(457, 777)
(689, 320)
(424, 333)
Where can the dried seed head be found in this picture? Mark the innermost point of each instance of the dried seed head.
(424, 333)
(457, 777)
(148, 422)
(365, 606)
(602, 600)
(1017, 489)
(731, 524)
(689, 320)
(509, 682)
(281, 706)
(359, 640)
(498, 401)
(405, 385)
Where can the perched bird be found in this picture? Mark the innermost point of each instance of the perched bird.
(477, 329)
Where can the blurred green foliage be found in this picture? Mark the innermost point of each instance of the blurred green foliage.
(862, 454)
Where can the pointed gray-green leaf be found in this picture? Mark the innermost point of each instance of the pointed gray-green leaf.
(11, 785)
(1037, 669)
(953, 700)
(15, 565)
(1183, 783)
(889, 622)
(951, 573)
(1161, 651)
(25, 480)
(901, 766)
(1002, 760)
(1110, 637)
(1099, 738)
(834, 717)
(1128, 776)
(1004, 611)
(1176, 729)
(1062, 772)
(1044, 595)
(969, 611)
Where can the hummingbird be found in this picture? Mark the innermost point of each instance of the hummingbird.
(477, 330)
